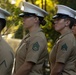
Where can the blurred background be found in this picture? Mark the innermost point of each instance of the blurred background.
(14, 31)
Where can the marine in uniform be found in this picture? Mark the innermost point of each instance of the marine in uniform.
(63, 55)
(32, 51)
(6, 52)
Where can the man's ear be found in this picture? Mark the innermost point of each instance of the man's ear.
(67, 22)
(36, 19)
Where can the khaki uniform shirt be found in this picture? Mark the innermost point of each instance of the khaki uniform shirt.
(32, 48)
(64, 51)
(6, 58)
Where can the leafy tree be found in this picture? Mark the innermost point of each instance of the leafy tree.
(70, 3)
(14, 24)
(12, 21)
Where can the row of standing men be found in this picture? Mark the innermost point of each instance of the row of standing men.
(32, 51)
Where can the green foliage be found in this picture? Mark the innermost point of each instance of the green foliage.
(70, 3)
(14, 23)
(19, 33)
(13, 20)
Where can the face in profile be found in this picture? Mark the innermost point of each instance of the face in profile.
(59, 24)
(28, 22)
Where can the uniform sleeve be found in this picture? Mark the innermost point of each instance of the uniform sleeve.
(64, 50)
(35, 49)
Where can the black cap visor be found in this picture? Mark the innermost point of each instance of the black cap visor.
(60, 16)
(26, 14)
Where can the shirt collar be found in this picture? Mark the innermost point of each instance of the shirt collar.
(36, 31)
(68, 31)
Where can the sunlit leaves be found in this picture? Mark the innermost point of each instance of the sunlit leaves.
(14, 22)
